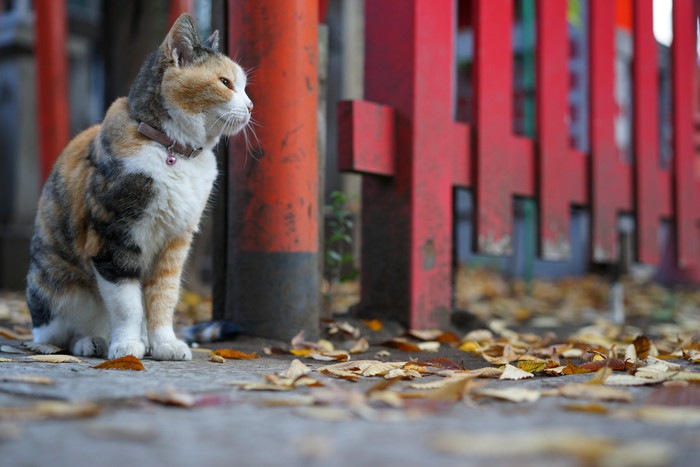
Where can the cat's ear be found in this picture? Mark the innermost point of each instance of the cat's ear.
(180, 42)
(212, 41)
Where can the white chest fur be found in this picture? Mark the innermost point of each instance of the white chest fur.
(181, 192)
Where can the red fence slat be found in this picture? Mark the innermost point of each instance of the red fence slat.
(493, 110)
(685, 198)
(407, 208)
(648, 194)
(610, 179)
(555, 161)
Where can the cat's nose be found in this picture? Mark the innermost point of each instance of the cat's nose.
(250, 107)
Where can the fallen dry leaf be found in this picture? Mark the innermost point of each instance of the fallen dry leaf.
(30, 379)
(374, 325)
(172, 398)
(514, 373)
(326, 414)
(402, 345)
(689, 416)
(259, 386)
(430, 346)
(510, 394)
(590, 408)
(126, 363)
(595, 392)
(216, 359)
(642, 345)
(11, 349)
(41, 348)
(50, 410)
(13, 335)
(6, 360)
(330, 356)
(532, 366)
(296, 370)
(53, 358)
(614, 363)
(629, 380)
(231, 354)
(361, 345)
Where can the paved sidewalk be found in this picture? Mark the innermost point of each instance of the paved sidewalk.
(229, 426)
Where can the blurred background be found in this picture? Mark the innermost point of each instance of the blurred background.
(108, 40)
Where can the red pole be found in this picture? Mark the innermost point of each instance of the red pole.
(176, 8)
(52, 81)
(273, 268)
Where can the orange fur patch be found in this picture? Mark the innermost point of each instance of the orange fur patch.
(197, 88)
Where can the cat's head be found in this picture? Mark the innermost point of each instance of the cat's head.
(190, 90)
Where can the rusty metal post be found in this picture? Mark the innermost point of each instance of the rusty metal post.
(273, 281)
(52, 81)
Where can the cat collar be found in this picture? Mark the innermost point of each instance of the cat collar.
(172, 146)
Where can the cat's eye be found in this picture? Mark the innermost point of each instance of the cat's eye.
(226, 83)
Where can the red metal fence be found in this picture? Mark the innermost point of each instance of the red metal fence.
(404, 139)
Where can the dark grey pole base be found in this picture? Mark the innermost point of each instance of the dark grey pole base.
(274, 295)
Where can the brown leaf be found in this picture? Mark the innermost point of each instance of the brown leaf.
(231, 354)
(402, 345)
(642, 345)
(614, 363)
(216, 359)
(128, 362)
(572, 369)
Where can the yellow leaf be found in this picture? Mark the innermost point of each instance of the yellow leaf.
(590, 408)
(216, 359)
(374, 325)
(232, 354)
(128, 362)
(532, 366)
(301, 352)
(54, 358)
(472, 347)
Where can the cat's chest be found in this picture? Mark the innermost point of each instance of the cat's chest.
(180, 193)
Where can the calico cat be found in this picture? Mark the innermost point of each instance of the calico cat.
(117, 214)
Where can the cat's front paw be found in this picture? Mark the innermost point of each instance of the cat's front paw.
(124, 348)
(171, 350)
(90, 347)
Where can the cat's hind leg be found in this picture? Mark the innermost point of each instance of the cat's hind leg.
(77, 322)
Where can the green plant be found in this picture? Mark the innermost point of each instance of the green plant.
(339, 258)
